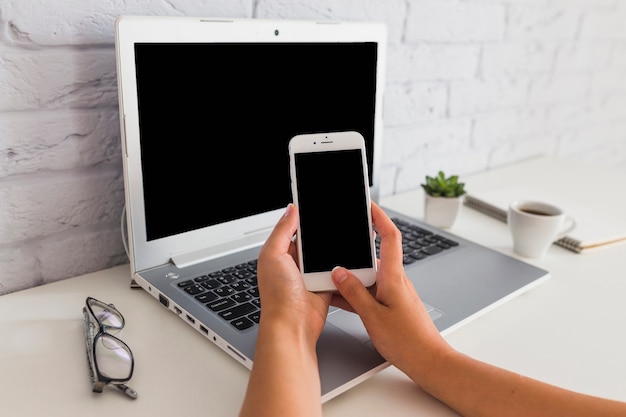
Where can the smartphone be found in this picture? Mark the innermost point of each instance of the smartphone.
(330, 187)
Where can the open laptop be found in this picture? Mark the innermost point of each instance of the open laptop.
(207, 107)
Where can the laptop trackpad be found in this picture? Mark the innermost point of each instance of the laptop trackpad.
(351, 323)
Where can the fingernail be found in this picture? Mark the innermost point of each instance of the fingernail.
(339, 274)
(288, 210)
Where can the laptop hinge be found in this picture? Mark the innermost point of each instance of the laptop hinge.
(206, 254)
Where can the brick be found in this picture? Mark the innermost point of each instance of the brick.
(80, 252)
(454, 21)
(517, 59)
(432, 62)
(53, 78)
(411, 102)
(19, 269)
(582, 56)
(562, 88)
(40, 206)
(496, 129)
(402, 144)
(607, 25)
(608, 83)
(471, 97)
(91, 22)
(545, 22)
(58, 140)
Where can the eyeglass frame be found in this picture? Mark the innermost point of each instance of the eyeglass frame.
(98, 380)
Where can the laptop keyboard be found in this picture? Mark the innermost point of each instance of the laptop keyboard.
(233, 293)
(418, 243)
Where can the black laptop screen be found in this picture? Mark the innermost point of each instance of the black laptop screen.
(215, 121)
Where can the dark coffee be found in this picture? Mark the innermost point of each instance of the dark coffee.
(535, 211)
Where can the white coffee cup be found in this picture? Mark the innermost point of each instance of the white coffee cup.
(535, 226)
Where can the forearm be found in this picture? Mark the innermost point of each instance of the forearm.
(285, 377)
(474, 388)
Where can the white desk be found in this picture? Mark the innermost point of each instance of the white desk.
(570, 330)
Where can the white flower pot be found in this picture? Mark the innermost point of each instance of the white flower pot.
(441, 211)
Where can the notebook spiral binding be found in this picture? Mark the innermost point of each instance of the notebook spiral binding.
(501, 215)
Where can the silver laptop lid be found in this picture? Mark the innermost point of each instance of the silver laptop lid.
(205, 133)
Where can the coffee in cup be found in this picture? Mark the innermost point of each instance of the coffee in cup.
(535, 226)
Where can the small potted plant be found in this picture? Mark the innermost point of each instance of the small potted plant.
(443, 200)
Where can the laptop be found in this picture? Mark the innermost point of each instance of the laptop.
(207, 108)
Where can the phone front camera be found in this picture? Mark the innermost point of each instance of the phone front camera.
(314, 143)
(276, 32)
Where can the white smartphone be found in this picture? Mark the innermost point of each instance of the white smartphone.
(330, 187)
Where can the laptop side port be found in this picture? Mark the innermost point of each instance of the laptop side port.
(164, 300)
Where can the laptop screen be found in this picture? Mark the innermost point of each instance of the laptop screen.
(215, 120)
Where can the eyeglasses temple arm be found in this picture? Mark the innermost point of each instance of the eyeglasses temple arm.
(126, 390)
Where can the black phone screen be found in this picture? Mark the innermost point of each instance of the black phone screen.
(334, 227)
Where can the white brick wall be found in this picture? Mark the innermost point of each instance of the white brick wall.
(471, 84)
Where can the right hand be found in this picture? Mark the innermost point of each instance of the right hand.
(391, 310)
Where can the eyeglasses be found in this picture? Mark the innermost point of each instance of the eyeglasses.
(109, 359)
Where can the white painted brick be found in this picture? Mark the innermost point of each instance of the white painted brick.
(618, 58)
(19, 269)
(496, 129)
(582, 56)
(58, 140)
(523, 149)
(555, 89)
(412, 174)
(414, 102)
(604, 25)
(608, 83)
(504, 59)
(575, 115)
(454, 21)
(402, 144)
(592, 142)
(91, 22)
(54, 78)
(471, 97)
(70, 255)
(41, 206)
(411, 150)
(432, 62)
(545, 22)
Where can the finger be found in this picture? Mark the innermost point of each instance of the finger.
(390, 237)
(354, 292)
(281, 237)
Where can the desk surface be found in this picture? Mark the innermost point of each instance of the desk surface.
(568, 331)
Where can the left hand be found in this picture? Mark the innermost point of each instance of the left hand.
(284, 296)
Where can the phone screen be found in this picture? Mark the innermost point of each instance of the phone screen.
(334, 226)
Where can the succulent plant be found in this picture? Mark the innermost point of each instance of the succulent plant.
(440, 186)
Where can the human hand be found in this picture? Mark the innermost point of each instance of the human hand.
(284, 296)
(391, 310)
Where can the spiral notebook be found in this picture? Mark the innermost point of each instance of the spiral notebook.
(594, 229)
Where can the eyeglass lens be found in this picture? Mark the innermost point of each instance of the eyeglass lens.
(114, 358)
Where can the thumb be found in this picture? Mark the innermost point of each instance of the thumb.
(352, 289)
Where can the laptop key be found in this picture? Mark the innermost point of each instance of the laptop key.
(207, 297)
(431, 250)
(195, 289)
(221, 304)
(237, 311)
(242, 323)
